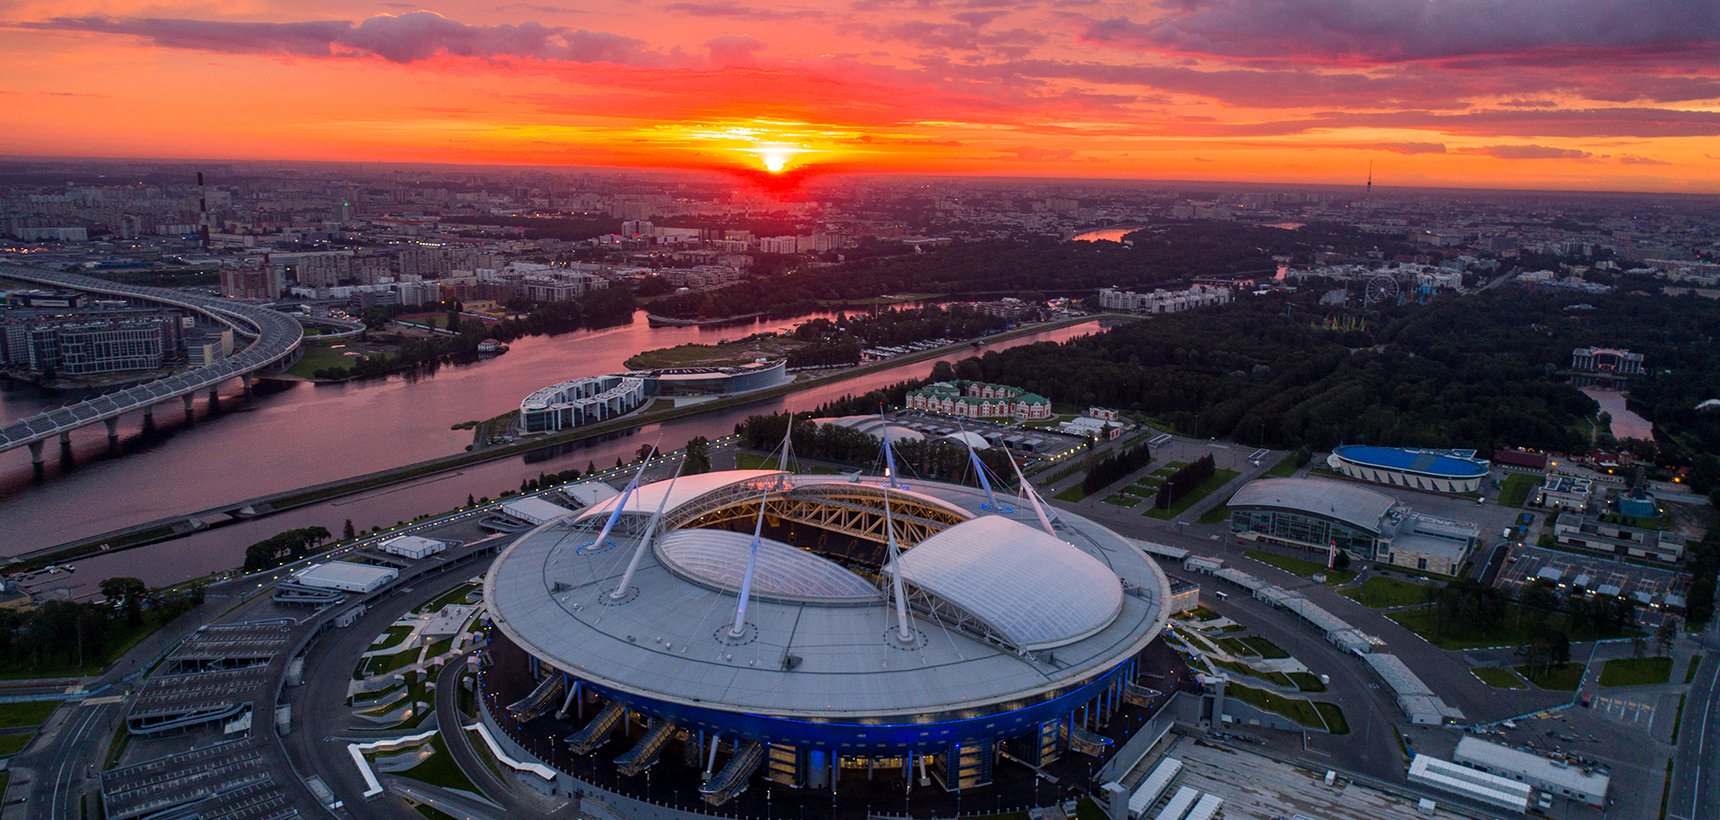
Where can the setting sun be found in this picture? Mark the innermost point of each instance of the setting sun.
(774, 160)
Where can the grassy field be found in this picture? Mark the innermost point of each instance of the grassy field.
(1306, 681)
(1123, 499)
(1636, 671)
(1562, 678)
(321, 358)
(391, 637)
(1513, 631)
(1499, 678)
(1516, 489)
(32, 713)
(457, 595)
(754, 461)
(1314, 715)
(1301, 566)
(1690, 671)
(717, 355)
(440, 769)
(1205, 488)
(13, 744)
(1285, 468)
(1216, 515)
(1265, 648)
(1379, 593)
(383, 664)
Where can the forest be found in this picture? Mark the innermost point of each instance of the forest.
(74, 638)
(1478, 371)
(1164, 255)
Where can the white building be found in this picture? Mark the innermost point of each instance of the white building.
(412, 546)
(1164, 301)
(345, 576)
(533, 510)
(1553, 776)
(1474, 784)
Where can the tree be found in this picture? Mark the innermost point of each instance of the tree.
(1665, 635)
(347, 533)
(1638, 646)
(470, 501)
(127, 593)
(943, 372)
(698, 458)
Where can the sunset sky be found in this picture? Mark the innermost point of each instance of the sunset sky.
(1589, 94)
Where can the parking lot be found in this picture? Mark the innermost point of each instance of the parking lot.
(1646, 586)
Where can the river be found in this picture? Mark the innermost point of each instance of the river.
(297, 434)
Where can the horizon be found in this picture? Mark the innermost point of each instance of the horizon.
(1573, 95)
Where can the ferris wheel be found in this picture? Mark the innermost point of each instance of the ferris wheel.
(1379, 289)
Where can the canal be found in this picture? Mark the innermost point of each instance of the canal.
(295, 434)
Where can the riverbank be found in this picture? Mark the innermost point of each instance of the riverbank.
(168, 528)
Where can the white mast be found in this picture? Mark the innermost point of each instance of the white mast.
(903, 632)
(1032, 497)
(615, 514)
(787, 444)
(979, 470)
(645, 540)
(746, 580)
(889, 455)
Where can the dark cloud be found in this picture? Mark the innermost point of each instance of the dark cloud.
(405, 38)
(1635, 159)
(1377, 31)
(728, 10)
(1527, 152)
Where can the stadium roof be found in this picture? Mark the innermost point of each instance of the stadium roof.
(718, 559)
(1036, 591)
(1440, 464)
(1338, 500)
(687, 487)
(811, 656)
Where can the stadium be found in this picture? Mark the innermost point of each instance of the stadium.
(1442, 471)
(836, 643)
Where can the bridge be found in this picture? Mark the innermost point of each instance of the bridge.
(274, 339)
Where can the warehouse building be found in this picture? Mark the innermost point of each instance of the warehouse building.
(1318, 514)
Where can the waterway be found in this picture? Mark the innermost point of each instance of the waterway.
(297, 434)
(1105, 234)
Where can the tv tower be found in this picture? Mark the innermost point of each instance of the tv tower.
(1370, 176)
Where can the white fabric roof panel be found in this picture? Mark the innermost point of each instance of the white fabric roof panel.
(688, 487)
(534, 510)
(718, 559)
(1037, 591)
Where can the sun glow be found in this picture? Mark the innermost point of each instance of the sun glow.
(774, 160)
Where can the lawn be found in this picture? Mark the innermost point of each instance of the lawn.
(457, 595)
(1563, 678)
(1499, 677)
(1636, 671)
(440, 769)
(1301, 566)
(1379, 593)
(1306, 681)
(1285, 468)
(1123, 499)
(1216, 515)
(1516, 489)
(1072, 493)
(1218, 479)
(317, 357)
(13, 744)
(1515, 629)
(120, 637)
(30, 713)
(1690, 671)
(391, 637)
(755, 461)
(1313, 715)
(1265, 648)
(1201, 613)
(383, 664)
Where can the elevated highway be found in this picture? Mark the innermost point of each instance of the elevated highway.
(274, 340)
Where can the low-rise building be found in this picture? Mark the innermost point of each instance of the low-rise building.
(979, 400)
(1318, 514)
(1595, 534)
(1556, 777)
(1567, 492)
(345, 576)
(412, 546)
(1164, 301)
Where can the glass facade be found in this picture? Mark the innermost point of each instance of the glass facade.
(1302, 529)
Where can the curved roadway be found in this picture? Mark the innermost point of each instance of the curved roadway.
(275, 336)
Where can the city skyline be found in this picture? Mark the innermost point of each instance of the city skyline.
(1581, 94)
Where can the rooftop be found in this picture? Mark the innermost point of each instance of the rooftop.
(1340, 500)
(1440, 463)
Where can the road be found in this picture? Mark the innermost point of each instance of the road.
(1697, 755)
